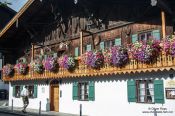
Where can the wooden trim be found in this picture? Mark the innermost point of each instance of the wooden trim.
(15, 18)
(81, 43)
(163, 24)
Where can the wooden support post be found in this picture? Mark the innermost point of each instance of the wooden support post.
(163, 24)
(32, 51)
(81, 43)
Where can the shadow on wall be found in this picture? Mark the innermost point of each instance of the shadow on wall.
(47, 105)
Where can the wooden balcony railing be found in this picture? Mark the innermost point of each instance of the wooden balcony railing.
(163, 62)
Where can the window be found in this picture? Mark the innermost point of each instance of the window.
(109, 43)
(84, 91)
(16, 91)
(145, 91)
(32, 91)
(145, 36)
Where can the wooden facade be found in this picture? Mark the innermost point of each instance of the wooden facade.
(60, 22)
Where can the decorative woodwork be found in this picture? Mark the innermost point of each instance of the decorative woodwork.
(163, 62)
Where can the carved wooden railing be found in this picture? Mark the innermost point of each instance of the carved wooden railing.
(163, 62)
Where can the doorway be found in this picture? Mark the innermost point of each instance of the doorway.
(54, 96)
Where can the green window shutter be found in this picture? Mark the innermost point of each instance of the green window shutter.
(1, 64)
(134, 38)
(88, 47)
(45, 57)
(102, 45)
(35, 91)
(156, 34)
(21, 88)
(55, 55)
(14, 91)
(91, 91)
(118, 41)
(76, 51)
(75, 91)
(158, 91)
(131, 87)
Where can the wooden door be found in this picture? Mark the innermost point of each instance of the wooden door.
(54, 106)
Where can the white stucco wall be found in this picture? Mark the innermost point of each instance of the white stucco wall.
(42, 95)
(111, 98)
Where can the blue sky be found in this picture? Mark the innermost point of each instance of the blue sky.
(15, 4)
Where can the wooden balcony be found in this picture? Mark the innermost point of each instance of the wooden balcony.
(163, 62)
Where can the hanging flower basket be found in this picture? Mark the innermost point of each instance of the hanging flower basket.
(8, 70)
(107, 56)
(93, 59)
(169, 45)
(21, 66)
(37, 66)
(67, 62)
(146, 52)
(50, 64)
(119, 56)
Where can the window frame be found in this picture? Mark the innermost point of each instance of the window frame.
(146, 37)
(31, 91)
(86, 91)
(146, 88)
(17, 91)
(111, 43)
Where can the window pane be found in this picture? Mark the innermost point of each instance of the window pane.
(142, 98)
(142, 91)
(83, 91)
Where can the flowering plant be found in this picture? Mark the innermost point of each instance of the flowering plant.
(8, 70)
(67, 62)
(37, 65)
(169, 45)
(107, 56)
(50, 63)
(119, 56)
(21, 66)
(93, 59)
(146, 51)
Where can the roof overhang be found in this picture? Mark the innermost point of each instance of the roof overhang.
(15, 18)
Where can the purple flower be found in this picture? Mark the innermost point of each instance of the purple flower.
(50, 63)
(119, 56)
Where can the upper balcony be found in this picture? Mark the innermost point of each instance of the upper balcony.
(163, 62)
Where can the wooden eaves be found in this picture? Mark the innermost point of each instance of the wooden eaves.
(15, 18)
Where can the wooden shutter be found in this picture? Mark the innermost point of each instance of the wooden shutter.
(14, 90)
(102, 45)
(45, 57)
(35, 91)
(88, 47)
(118, 41)
(21, 88)
(91, 91)
(55, 55)
(158, 91)
(1, 64)
(134, 38)
(75, 91)
(76, 51)
(156, 34)
(131, 87)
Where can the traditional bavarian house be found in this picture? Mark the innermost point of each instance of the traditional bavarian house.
(114, 57)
